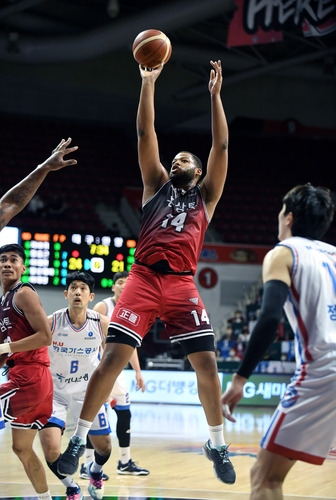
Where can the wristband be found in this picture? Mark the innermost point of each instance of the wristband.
(5, 348)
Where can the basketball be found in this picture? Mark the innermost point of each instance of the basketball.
(151, 48)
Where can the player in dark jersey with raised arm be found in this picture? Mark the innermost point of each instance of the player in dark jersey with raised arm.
(177, 209)
(11, 203)
(27, 395)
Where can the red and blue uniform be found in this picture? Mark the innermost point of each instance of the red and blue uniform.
(303, 425)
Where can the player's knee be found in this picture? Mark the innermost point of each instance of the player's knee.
(102, 458)
(204, 364)
(123, 421)
(18, 450)
(123, 429)
(102, 447)
(123, 417)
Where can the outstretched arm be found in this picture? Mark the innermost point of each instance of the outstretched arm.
(18, 196)
(213, 183)
(153, 172)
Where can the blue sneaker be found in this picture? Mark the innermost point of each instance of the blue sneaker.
(96, 485)
(68, 461)
(73, 493)
(223, 468)
(131, 469)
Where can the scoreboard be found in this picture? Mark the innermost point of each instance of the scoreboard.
(51, 256)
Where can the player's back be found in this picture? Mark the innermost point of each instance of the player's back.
(311, 310)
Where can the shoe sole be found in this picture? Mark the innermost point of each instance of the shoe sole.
(132, 473)
(82, 476)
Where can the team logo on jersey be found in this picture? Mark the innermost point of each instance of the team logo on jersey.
(4, 324)
(129, 316)
(194, 300)
(290, 397)
(182, 204)
(72, 379)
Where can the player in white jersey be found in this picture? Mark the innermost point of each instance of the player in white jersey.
(300, 273)
(78, 334)
(119, 397)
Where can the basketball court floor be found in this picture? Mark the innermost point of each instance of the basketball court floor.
(167, 440)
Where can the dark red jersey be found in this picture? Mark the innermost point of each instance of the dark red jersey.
(173, 226)
(14, 326)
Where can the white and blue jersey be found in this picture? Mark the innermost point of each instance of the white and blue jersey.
(311, 307)
(303, 425)
(74, 355)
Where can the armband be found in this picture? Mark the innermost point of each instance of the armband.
(5, 348)
(275, 293)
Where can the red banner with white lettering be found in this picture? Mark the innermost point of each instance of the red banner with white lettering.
(263, 21)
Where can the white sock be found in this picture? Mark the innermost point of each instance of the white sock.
(89, 455)
(95, 467)
(44, 496)
(124, 455)
(82, 429)
(216, 435)
(69, 482)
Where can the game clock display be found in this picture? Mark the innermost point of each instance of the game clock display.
(51, 256)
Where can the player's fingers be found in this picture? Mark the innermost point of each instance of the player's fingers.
(58, 146)
(227, 413)
(71, 150)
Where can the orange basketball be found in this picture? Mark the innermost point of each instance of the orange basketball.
(151, 48)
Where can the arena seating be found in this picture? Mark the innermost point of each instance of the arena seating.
(261, 169)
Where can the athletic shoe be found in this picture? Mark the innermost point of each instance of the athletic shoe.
(68, 461)
(84, 475)
(73, 493)
(96, 486)
(131, 469)
(223, 468)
